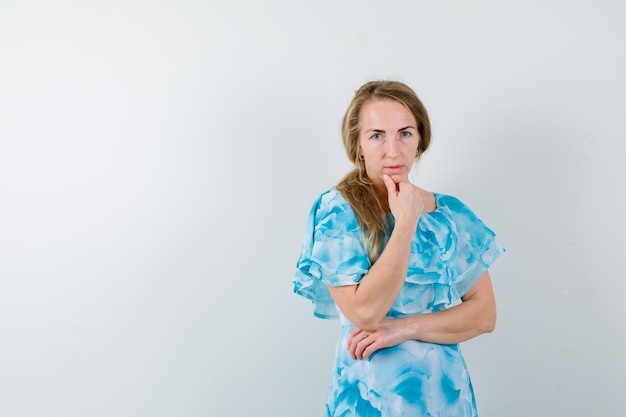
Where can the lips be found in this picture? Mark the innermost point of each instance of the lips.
(393, 169)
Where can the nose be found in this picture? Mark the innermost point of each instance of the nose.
(392, 147)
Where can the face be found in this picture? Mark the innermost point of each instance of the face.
(388, 141)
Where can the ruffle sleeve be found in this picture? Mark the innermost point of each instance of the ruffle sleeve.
(332, 253)
(453, 247)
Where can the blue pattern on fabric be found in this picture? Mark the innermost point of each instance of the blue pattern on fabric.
(450, 250)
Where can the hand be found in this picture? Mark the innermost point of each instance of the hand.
(362, 344)
(405, 201)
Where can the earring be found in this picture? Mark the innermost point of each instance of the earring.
(361, 157)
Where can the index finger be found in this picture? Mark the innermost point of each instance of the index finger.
(390, 184)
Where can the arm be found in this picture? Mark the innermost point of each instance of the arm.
(474, 316)
(367, 303)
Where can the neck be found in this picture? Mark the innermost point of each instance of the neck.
(383, 196)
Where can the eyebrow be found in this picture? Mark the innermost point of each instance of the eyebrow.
(399, 130)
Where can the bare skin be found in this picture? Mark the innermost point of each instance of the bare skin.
(367, 303)
(474, 316)
(388, 144)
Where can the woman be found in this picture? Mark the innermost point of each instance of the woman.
(404, 269)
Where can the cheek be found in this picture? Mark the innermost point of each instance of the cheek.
(372, 158)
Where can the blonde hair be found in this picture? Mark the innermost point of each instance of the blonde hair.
(356, 187)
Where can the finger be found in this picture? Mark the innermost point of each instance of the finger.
(403, 185)
(355, 331)
(390, 184)
(353, 344)
(369, 350)
(352, 353)
(361, 346)
(359, 351)
(354, 334)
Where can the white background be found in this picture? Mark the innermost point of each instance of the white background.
(158, 160)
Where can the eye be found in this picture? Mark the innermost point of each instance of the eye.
(376, 136)
(406, 134)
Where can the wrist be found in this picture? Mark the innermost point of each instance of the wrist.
(402, 328)
(412, 327)
(405, 228)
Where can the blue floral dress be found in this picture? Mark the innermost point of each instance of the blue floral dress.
(450, 250)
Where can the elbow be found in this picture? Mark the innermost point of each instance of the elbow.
(485, 315)
(366, 319)
(489, 322)
(365, 312)
(489, 327)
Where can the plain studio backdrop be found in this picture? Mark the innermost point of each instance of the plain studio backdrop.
(158, 160)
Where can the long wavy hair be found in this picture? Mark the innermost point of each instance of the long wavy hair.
(369, 207)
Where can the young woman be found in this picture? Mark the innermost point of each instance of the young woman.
(404, 269)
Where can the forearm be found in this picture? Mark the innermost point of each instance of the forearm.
(474, 316)
(367, 303)
(380, 287)
(454, 325)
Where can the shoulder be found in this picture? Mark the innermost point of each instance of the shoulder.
(332, 211)
(331, 201)
(461, 215)
(452, 203)
(332, 196)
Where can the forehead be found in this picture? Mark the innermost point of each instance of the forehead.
(386, 113)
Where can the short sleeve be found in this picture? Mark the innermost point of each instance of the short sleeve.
(472, 249)
(332, 253)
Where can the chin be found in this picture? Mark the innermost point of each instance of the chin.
(399, 178)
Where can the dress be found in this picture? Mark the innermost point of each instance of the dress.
(450, 250)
